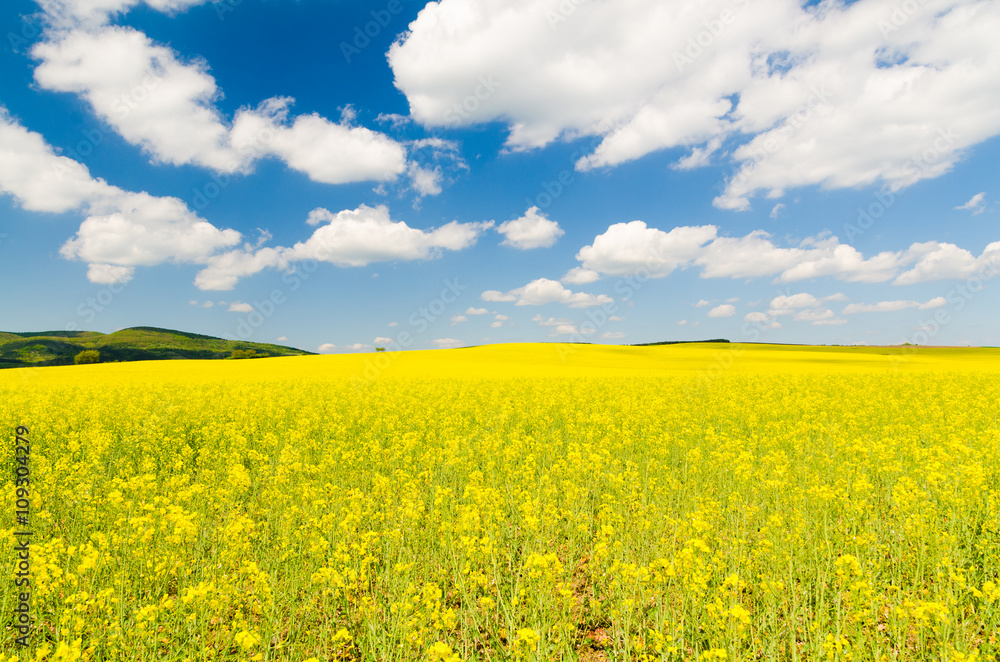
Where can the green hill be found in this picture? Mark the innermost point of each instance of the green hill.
(141, 343)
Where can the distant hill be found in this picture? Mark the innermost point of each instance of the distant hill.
(140, 343)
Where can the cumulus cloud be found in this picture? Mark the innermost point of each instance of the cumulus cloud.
(167, 106)
(628, 248)
(836, 94)
(109, 274)
(636, 249)
(542, 291)
(425, 181)
(349, 238)
(533, 230)
(360, 236)
(458, 319)
(447, 343)
(612, 335)
(327, 152)
(725, 310)
(240, 307)
(580, 276)
(122, 229)
(476, 311)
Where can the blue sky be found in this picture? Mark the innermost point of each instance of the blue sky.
(339, 176)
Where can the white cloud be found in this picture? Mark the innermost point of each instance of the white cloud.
(122, 229)
(725, 310)
(393, 324)
(476, 311)
(542, 291)
(497, 296)
(777, 209)
(813, 315)
(533, 230)
(382, 340)
(627, 248)
(364, 235)
(144, 91)
(107, 274)
(551, 321)
(580, 276)
(830, 322)
(833, 94)
(634, 248)
(757, 317)
(282, 338)
(94, 13)
(350, 238)
(447, 343)
(787, 302)
(892, 306)
(976, 204)
(327, 152)
(240, 307)
(702, 303)
(612, 335)
(496, 325)
(166, 106)
(501, 318)
(682, 323)
(425, 181)
(569, 329)
(458, 319)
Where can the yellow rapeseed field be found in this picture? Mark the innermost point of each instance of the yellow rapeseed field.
(518, 502)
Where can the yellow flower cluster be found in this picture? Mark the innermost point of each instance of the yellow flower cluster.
(514, 503)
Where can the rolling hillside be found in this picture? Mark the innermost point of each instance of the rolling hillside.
(141, 343)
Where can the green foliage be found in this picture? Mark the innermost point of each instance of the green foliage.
(246, 354)
(87, 356)
(134, 344)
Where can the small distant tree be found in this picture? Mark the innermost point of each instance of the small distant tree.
(380, 349)
(247, 354)
(87, 356)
